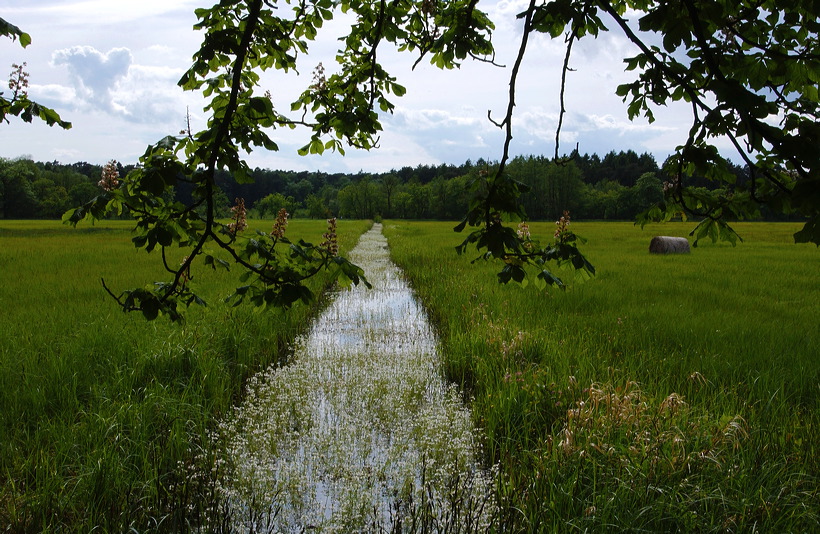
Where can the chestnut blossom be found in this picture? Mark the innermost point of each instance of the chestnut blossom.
(562, 227)
(110, 179)
(239, 217)
(523, 231)
(330, 242)
(18, 81)
(280, 225)
(185, 276)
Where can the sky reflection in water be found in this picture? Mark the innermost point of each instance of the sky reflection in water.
(360, 432)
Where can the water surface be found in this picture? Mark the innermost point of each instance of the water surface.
(360, 432)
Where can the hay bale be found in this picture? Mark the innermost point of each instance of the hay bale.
(663, 244)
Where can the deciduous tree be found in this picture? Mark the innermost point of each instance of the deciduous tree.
(17, 196)
(274, 202)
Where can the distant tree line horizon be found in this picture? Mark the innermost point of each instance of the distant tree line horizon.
(617, 186)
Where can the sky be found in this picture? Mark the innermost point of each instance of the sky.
(111, 68)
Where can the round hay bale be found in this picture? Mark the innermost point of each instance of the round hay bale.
(663, 244)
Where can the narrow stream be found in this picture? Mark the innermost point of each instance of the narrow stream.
(360, 432)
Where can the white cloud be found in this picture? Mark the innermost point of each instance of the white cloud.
(111, 83)
(433, 119)
(595, 122)
(53, 94)
(445, 136)
(93, 73)
(101, 11)
(67, 154)
(396, 150)
(150, 95)
(504, 13)
(537, 123)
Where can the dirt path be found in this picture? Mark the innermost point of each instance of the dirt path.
(360, 432)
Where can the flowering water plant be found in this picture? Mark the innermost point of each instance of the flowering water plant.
(359, 433)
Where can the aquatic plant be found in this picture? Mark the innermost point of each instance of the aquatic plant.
(359, 432)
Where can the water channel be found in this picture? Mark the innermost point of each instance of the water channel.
(360, 432)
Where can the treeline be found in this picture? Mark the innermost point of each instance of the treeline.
(617, 186)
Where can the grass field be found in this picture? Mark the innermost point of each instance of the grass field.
(669, 393)
(102, 412)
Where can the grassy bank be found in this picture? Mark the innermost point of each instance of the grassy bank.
(670, 393)
(100, 411)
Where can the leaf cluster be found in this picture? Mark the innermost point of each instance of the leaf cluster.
(277, 277)
(7, 29)
(19, 104)
(749, 70)
(240, 40)
(495, 200)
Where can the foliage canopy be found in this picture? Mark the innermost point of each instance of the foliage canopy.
(749, 70)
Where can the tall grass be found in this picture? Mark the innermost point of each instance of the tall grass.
(670, 393)
(100, 410)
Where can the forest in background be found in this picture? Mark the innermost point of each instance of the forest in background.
(616, 186)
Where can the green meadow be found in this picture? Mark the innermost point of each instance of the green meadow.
(103, 415)
(669, 393)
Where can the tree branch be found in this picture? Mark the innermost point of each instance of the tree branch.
(222, 134)
(570, 39)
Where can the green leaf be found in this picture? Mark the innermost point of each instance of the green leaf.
(810, 233)
(164, 236)
(150, 307)
(10, 30)
(153, 182)
(550, 279)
